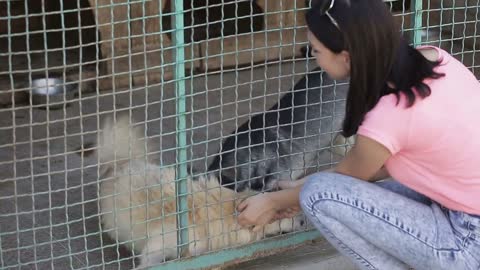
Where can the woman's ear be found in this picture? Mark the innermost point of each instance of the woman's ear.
(345, 56)
(346, 59)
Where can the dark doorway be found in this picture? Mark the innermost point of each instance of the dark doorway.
(205, 19)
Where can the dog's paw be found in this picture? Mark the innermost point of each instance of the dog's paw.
(294, 224)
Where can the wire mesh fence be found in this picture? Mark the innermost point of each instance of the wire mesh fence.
(200, 104)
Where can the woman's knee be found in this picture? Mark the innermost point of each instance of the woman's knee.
(316, 186)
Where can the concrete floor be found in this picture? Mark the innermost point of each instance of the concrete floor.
(48, 207)
(317, 255)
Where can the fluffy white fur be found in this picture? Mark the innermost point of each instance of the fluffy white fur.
(138, 203)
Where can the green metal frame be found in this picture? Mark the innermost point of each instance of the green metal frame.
(181, 181)
(244, 252)
(241, 253)
(417, 21)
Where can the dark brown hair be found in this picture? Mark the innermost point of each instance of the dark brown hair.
(378, 54)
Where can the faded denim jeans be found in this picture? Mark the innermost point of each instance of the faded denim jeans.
(387, 226)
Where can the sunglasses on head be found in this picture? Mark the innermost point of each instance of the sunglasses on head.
(325, 7)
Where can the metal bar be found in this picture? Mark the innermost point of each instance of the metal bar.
(241, 253)
(417, 22)
(181, 153)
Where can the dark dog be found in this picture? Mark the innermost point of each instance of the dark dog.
(287, 140)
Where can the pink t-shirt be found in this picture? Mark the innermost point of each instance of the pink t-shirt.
(435, 144)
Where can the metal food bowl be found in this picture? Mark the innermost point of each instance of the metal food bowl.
(52, 92)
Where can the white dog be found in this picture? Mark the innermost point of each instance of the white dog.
(138, 203)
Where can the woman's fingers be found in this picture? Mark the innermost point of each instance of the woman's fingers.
(242, 205)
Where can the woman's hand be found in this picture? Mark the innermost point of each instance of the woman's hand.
(287, 213)
(257, 211)
(263, 209)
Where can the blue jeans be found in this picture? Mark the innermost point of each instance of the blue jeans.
(387, 226)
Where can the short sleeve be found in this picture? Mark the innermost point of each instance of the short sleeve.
(388, 123)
